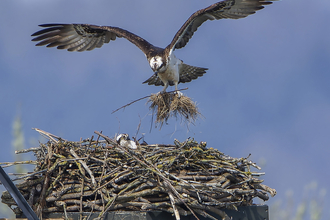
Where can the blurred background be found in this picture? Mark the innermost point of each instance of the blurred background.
(266, 92)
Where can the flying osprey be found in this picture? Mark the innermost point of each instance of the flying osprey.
(168, 70)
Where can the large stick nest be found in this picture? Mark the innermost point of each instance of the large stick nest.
(169, 104)
(101, 176)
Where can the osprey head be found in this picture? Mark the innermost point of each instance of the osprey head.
(157, 64)
(122, 137)
(124, 141)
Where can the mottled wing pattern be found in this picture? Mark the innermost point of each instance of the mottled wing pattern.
(82, 37)
(155, 80)
(188, 73)
(233, 9)
(73, 37)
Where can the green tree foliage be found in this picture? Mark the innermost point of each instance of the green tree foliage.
(18, 143)
(309, 208)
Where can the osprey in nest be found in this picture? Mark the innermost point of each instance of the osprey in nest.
(168, 70)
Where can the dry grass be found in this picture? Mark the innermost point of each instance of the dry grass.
(166, 105)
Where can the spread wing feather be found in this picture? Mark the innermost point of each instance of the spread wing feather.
(233, 9)
(187, 73)
(82, 37)
(155, 80)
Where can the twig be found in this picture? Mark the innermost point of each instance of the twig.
(81, 198)
(124, 106)
(176, 212)
(157, 173)
(84, 165)
(8, 164)
(43, 195)
(28, 150)
(183, 179)
(29, 175)
(48, 135)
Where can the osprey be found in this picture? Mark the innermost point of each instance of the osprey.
(124, 141)
(168, 70)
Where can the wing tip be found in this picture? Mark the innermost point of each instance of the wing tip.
(50, 25)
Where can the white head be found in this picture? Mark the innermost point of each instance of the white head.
(157, 64)
(125, 141)
(122, 136)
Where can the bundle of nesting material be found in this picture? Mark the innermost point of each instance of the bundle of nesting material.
(101, 176)
(169, 104)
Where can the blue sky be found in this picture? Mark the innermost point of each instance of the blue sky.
(266, 91)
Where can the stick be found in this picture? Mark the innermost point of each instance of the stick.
(85, 166)
(142, 99)
(8, 164)
(28, 150)
(30, 174)
(175, 210)
(48, 135)
(154, 170)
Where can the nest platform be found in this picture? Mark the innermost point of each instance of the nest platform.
(98, 176)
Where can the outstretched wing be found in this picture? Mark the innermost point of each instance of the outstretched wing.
(233, 9)
(81, 37)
